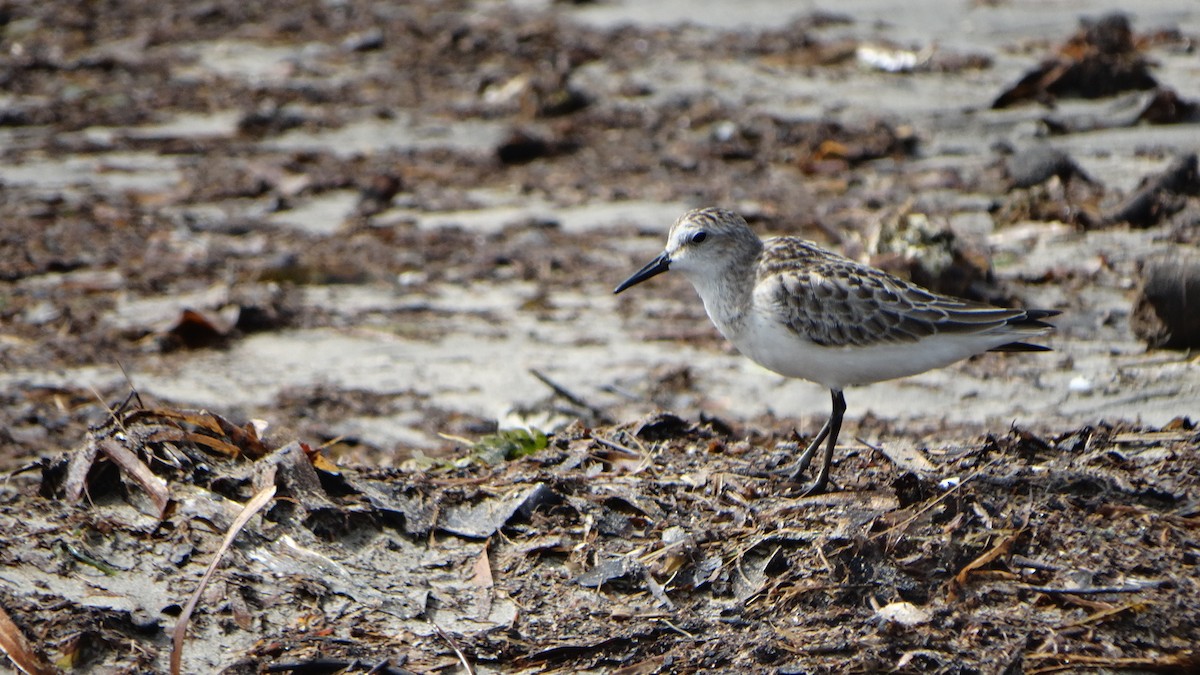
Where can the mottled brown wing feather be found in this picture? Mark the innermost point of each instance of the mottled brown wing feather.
(835, 301)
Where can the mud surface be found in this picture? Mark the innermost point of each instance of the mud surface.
(387, 230)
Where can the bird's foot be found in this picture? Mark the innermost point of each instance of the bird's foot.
(795, 473)
(794, 477)
(819, 487)
(781, 463)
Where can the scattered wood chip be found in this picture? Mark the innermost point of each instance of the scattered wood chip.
(905, 455)
(154, 486)
(903, 613)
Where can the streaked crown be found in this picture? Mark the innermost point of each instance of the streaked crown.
(710, 241)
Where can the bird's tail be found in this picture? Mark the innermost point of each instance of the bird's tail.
(1028, 321)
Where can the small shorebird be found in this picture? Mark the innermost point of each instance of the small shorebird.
(802, 311)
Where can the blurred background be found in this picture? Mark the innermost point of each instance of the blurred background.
(390, 222)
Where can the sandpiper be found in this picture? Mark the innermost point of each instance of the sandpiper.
(805, 312)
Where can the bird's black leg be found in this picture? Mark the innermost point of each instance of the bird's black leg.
(833, 427)
(830, 431)
(806, 457)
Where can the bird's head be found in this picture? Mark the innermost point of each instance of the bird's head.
(702, 243)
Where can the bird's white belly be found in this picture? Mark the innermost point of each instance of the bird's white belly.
(776, 347)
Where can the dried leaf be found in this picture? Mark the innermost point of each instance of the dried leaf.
(211, 443)
(322, 463)
(18, 649)
(482, 578)
(194, 330)
(482, 571)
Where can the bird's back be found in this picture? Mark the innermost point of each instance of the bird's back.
(836, 302)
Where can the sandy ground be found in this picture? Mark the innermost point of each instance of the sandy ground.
(368, 224)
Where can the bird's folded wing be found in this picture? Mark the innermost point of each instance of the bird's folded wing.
(836, 302)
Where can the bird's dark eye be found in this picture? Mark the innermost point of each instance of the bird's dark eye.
(699, 237)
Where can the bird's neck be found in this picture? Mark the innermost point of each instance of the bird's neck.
(727, 296)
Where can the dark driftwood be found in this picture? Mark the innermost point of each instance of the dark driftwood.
(1165, 313)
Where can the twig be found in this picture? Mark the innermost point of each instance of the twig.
(32, 466)
(677, 629)
(133, 392)
(462, 658)
(115, 413)
(571, 397)
(621, 391)
(935, 502)
(252, 507)
(1022, 561)
(617, 446)
(1183, 661)
(1107, 613)
(1095, 590)
(1001, 548)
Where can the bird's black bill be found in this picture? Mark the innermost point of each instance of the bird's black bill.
(655, 267)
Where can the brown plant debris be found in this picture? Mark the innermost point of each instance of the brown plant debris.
(1101, 59)
(682, 555)
(1160, 196)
